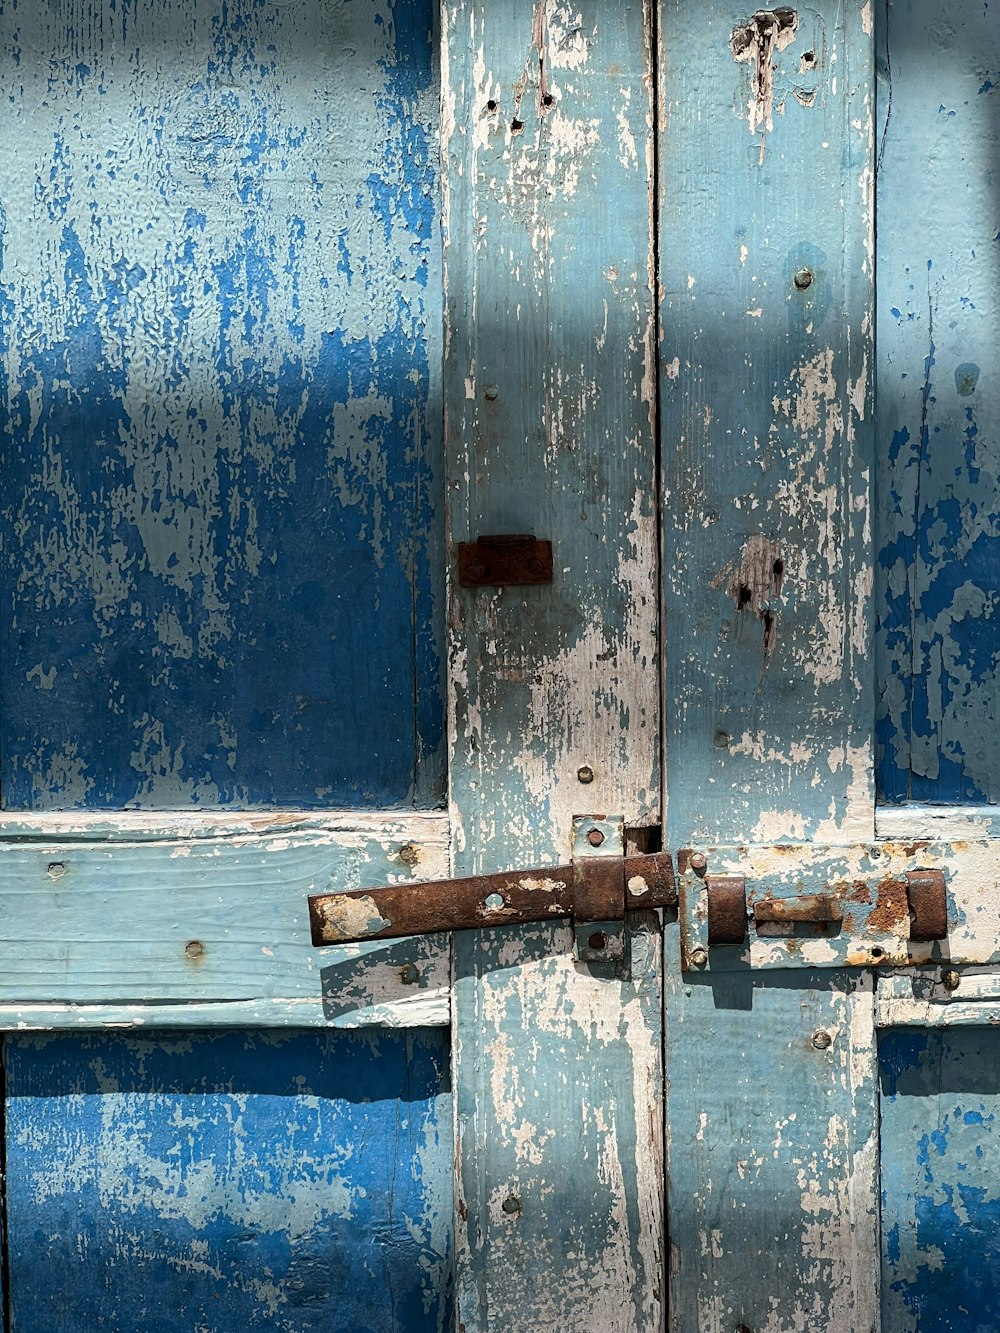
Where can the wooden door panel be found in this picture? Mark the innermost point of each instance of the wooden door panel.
(281, 1181)
(938, 481)
(220, 311)
(940, 1189)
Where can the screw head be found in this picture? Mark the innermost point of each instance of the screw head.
(193, 950)
(699, 863)
(476, 572)
(409, 974)
(585, 775)
(803, 279)
(511, 1205)
(595, 837)
(699, 957)
(821, 1039)
(492, 392)
(951, 980)
(598, 941)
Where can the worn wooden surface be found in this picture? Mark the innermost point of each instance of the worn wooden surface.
(228, 1181)
(766, 173)
(772, 1152)
(549, 394)
(214, 928)
(940, 1195)
(220, 297)
(938, 399)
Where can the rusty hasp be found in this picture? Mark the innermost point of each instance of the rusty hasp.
(504, 561)
(513, 897)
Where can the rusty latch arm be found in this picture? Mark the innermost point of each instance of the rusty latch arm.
(514, 897)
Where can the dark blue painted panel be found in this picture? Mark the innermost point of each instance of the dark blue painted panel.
(230, 1181)
(220, 301)
(938, 394)
(940, 1190)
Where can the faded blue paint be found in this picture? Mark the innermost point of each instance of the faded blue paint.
(550, 418)
(938, 331)
(940, 1194)
(294, 1182)
(766, 282)
(220, 298)
(771, 1159)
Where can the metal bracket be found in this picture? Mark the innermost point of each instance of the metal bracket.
(504, 561)
(802, 906)
(598, 873)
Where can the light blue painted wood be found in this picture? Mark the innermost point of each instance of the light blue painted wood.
(765, 181)
(938, 399)
(214, 927)
(772, 1151)
(230, 1181)
(220, 304)
(550, 402)
(940, 1193)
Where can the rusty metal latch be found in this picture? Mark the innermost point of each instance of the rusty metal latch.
(728, 913)
(504, 561)
(595, 891)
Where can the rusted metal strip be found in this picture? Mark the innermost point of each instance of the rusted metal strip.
(504, 561)
(928, 901)
(820, 907)
(513, 897)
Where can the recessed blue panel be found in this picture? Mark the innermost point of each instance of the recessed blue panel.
(220, 310)
(940, 1132)
(938, 396)
(233, 1181)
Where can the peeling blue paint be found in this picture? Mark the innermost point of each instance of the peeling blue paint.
(220, 297)
(938, 475)
(230, 1181)
(940, 1198)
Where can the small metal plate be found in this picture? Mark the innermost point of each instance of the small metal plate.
(599, 887)
(504, 561)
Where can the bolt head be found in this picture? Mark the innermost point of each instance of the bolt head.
(492, 392)
(511, 1205)
(951, 980)
(595, 837)
(699, 957)
(821, 1039)
(699, 863)
(585, 775)
(803, 279)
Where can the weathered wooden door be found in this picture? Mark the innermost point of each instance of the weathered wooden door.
(224, 557)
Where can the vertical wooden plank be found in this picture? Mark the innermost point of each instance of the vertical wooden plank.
(940, 1196)
(773, 1151)
(220, 348)
(553, 690)
(939, 396)
(766, 269)
(766, 168)
(229, 1181)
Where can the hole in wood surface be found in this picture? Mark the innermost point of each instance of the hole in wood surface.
(516, 126)
(491, 105)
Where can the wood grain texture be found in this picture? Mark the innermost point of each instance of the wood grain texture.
(938, 397)
(220, 346)
(765, 182)
(212, 930)
(227, 1181)
(772, 1152)
(550, 406)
